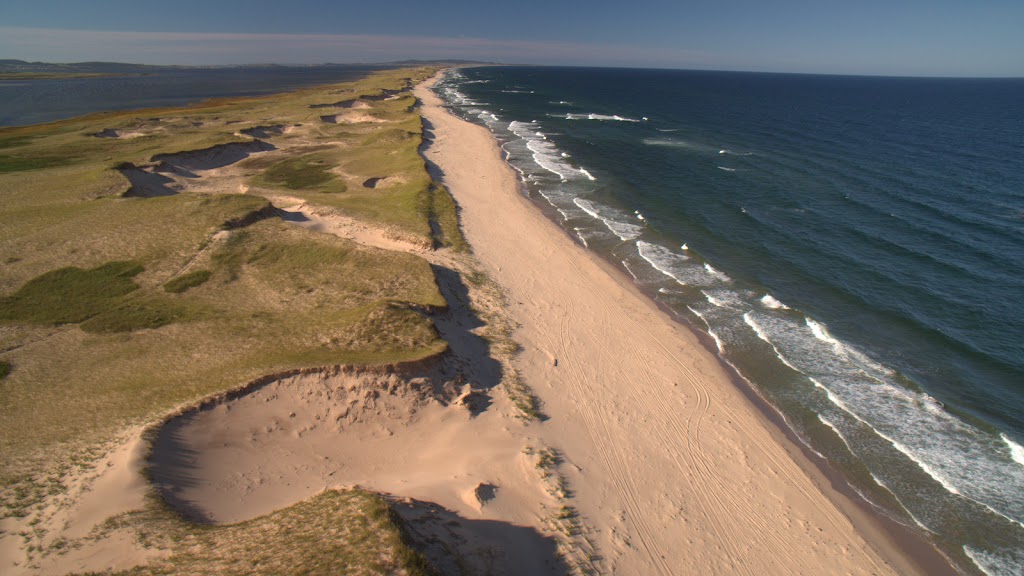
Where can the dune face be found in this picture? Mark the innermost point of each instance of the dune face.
(287, 440)
(211, 158)
(146, 184)
(264, 132)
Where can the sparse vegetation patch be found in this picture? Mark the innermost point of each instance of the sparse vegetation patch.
(308, 172)
(70, 295)
(185, 281)
(337, 532)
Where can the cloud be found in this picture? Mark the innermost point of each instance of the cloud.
(60, 45)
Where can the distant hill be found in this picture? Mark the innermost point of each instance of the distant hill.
(21, 66)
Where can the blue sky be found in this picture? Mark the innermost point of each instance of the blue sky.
(901, 37)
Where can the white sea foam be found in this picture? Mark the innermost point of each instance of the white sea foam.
(748, 319)
(1008, 563)
(545, 154)
(670, 142)
(1016, 450)
(841, 437)
(579, 234)
(715, 301)
(662, 259)
(601, 117)
(612, 219)
(893, 493)
(821, 333)
(726, 169)
(625, 265)
(673, 142)
(964, 460)
(710, 330)
(723, 298)
(769, 301)
(717, 273)
(679, 267)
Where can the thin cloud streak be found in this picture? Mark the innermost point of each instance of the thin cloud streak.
(60, 45)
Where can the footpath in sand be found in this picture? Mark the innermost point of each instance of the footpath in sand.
(672, 468)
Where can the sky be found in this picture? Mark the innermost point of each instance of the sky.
(884, 37)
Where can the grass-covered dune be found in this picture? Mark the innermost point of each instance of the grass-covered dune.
(144, 268)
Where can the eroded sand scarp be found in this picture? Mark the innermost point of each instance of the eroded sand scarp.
(287, 440)
(420, 435)
(210, 170)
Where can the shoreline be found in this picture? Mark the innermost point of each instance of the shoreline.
(899, 540)
(897, 547)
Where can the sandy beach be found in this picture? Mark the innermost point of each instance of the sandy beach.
(673, 469)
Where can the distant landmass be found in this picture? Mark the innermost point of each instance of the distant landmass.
(28, 69)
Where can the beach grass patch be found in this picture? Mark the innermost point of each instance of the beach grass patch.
(5, 369)
(11, 163)
(444, 218)
(14, 141)
(185, 281)
(336, 532)
(307, 172)
(70, 295)
(388, 137)
(136, 315)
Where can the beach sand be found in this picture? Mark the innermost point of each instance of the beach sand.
(673, 469)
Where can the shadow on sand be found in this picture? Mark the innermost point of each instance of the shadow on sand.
(457, 545)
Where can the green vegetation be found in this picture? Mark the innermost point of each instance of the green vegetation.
(117, 310)
(70, 294)
(307, 172)
(522, 397)
(186, 281)
(335, 532)
(135, 315)
(11, 163)
(445, 217)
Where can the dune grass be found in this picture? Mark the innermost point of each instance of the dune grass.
(308, 172)
(68, 295)
(186, 281)
(336, 532)
(114, 311)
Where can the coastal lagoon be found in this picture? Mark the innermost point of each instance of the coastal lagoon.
(852, 246)
(24, 102)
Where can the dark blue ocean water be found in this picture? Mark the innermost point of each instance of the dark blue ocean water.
(31, 102)
(853, 245)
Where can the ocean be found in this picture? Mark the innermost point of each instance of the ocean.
(852, 246)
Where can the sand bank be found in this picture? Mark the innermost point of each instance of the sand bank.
(673, 469)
